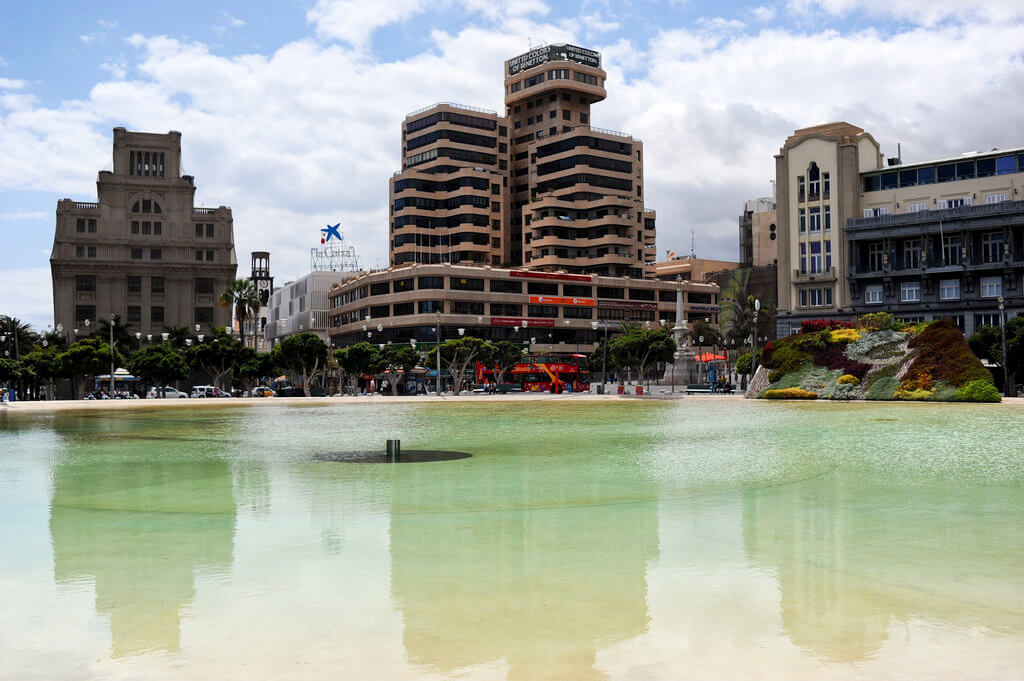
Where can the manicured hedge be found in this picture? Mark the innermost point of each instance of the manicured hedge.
(978, 391)
(943, 355)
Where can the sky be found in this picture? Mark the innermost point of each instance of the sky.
(290, 110)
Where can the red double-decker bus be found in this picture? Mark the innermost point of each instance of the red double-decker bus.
(559, 372)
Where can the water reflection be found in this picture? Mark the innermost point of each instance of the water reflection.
(537, 590)
(140, 532)
(852, 559)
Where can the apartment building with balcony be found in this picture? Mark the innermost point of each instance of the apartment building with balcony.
(142, 251)
(941, 238)
(550, 311)
(538, 187)
(859, 233)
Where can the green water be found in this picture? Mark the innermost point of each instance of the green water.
(610, 540)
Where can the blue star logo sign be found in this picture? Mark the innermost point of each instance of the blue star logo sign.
(330, 231)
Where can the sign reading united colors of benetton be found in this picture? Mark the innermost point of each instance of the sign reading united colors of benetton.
(542, 55)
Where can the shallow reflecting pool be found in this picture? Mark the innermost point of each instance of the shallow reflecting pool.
(580, 540)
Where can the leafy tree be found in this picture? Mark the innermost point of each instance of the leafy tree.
(457, 354)
(89, 357)
(744, 363)
(359, 359)
(253, 366)
(987, 342)
(216, 355)
(640, 348)
(505, 356)
(712, 336)
(42, 366)
(397, 362)
(241, 296)
(159, 364)
(737, 317)
(10, 370)
(303, 355)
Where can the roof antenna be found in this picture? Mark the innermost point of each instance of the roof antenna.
(693, 244)
(899, 151)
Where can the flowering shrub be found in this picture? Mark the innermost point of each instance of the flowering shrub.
(848, 379)
(920, 381)
(844, 335)
(834, 358)
(882, 389)
(790, 394)
(942, 353)
(816, 325)
(876, 346)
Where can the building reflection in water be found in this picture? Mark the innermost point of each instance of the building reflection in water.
(539, 590)
(140, 532)
(852, 560)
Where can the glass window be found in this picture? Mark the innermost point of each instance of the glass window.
(380, 288)
(431, 306)
(92, 251)
(134, 285)
(991, 287)
(815, 219)
(465, 284)
(992, 246)
(209, 231)
(911, 253)
(80, 225)
(949, 289)
(156, 284)
(611, 292)
(926, 175)
(578, 290)
(995, 198)
(204, 315)
(542, 288)
(506, 286)
(467, 307)
(965, 170)
(85, 282)
(199, 256)
(951, 250)
(578, 312)
(136, 254)
(908, 178)
(506, 309)
(873, 294)
(155, 254)
(209, 256)
(135, 226)
(876, 256)
(156, 314)
(947, 173)
(986, 167)
(917, 207)
(1005, 165)
(402, 309)
(889, 180)
(134, 314)
(542, 311)
(803, 219)
(910, 292)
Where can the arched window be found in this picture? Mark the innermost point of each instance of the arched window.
(813, 181)
(146, 206)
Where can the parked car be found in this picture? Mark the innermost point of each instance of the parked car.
(169, 392)
(263, 391)
(208, 391)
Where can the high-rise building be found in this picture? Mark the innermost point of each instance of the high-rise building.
(142, 251)
(256, 324)
(759, 246)
(538, 187)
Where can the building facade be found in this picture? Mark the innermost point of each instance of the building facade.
(940, 239)
(759, 245)
(538, 188)
(818, 183)
(142, 251)
(551, 311)
(301, 306)
(256, 324)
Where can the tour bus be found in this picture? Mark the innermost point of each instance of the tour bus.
(564, 372)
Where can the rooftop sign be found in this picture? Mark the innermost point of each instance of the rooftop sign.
(541, 55)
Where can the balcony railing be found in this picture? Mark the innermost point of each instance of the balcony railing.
(86, 205)
(454, 105)
(928, 216)
(204, 211)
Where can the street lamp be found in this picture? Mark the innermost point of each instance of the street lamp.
(604, 357)
(753, 357)
(438, 355)
(201, 337)
(165, 336)
(111, 355)
(462, 332)
(1002, 333)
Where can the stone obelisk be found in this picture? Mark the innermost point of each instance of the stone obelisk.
(684, 361)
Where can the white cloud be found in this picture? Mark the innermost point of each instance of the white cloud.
(107, 25)
(88, 38)
(11, 84)
(353, 21)
(926, 12)
(763, 14)
(26, 294)
(3, 62)
(233, 22)
(118, 69)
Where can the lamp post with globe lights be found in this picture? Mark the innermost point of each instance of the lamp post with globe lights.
(1007, 388)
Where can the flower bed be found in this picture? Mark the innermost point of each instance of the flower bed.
(790, 394)
(816, 325)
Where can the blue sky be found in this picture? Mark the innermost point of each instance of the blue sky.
(290, 110)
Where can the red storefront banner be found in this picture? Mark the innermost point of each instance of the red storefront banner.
(551, 300)
(524, 274)
(626, 305)
(518, 321)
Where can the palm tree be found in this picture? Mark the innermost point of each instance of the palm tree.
(177, 335)
(241, 296)
(124, 341)
(19, 337)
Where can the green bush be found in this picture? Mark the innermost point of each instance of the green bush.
(883, 388)
(978, 391)
(793, 379)
(944, 392)
(943, 354)
(877, 321)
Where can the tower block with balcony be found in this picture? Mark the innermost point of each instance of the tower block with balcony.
(538, 188)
